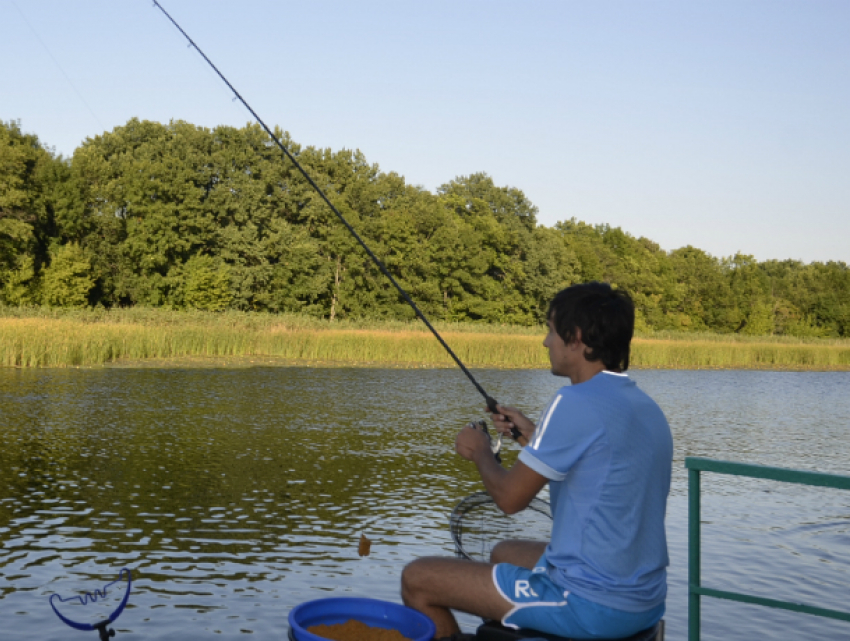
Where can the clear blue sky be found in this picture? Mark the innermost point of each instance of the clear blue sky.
(722, 124)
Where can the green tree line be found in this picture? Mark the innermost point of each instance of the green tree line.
(181, 216)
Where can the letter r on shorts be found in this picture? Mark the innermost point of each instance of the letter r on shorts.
(523, 588)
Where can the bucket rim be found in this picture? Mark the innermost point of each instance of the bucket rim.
(376, 611)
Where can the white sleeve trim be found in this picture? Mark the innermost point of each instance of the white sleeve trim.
(541, 429)
(540, 467)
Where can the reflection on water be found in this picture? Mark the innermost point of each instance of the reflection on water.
(235, 494)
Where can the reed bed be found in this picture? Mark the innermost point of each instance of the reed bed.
(650, 353)
(47, 338)
(69, 343)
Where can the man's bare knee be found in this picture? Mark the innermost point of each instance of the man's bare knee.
(419, 579)
(411, 577)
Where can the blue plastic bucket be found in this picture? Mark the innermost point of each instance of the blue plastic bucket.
(379, 614)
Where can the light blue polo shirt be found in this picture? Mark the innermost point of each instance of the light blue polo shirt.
(607, 450)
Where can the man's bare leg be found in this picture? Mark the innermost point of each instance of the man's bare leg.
(521, 552)
(436, 585)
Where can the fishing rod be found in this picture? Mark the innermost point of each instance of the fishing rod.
(491, 402)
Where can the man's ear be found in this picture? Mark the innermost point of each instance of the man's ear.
(576, 341)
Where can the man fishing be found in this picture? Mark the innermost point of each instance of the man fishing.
(605, 449)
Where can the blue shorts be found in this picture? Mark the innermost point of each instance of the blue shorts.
(540, 604)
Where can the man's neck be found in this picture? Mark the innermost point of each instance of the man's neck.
(587, 371)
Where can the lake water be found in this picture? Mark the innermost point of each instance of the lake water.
(235, 494)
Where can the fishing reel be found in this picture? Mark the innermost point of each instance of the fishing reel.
(495, 443)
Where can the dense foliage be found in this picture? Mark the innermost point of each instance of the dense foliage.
(181, 216)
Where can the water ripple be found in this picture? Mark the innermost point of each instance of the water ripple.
(234, 495)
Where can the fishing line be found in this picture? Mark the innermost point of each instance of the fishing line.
(491, 402)
(56, 62)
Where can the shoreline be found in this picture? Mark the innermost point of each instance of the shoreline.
(161, 338)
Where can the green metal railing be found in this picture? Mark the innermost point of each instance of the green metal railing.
(695, 588)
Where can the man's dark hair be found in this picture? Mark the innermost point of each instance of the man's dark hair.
(605, 316)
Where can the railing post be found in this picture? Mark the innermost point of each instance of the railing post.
(693, 555)
(696, 591)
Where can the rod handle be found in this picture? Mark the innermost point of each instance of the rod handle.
(491, 405)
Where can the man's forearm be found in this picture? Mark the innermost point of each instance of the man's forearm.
(513, 489)
(495, 479)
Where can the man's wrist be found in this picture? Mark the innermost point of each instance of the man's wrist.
(481, 456)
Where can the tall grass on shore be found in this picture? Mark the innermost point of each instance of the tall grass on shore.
(704, 354)
(79, 339)
(59, 338)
